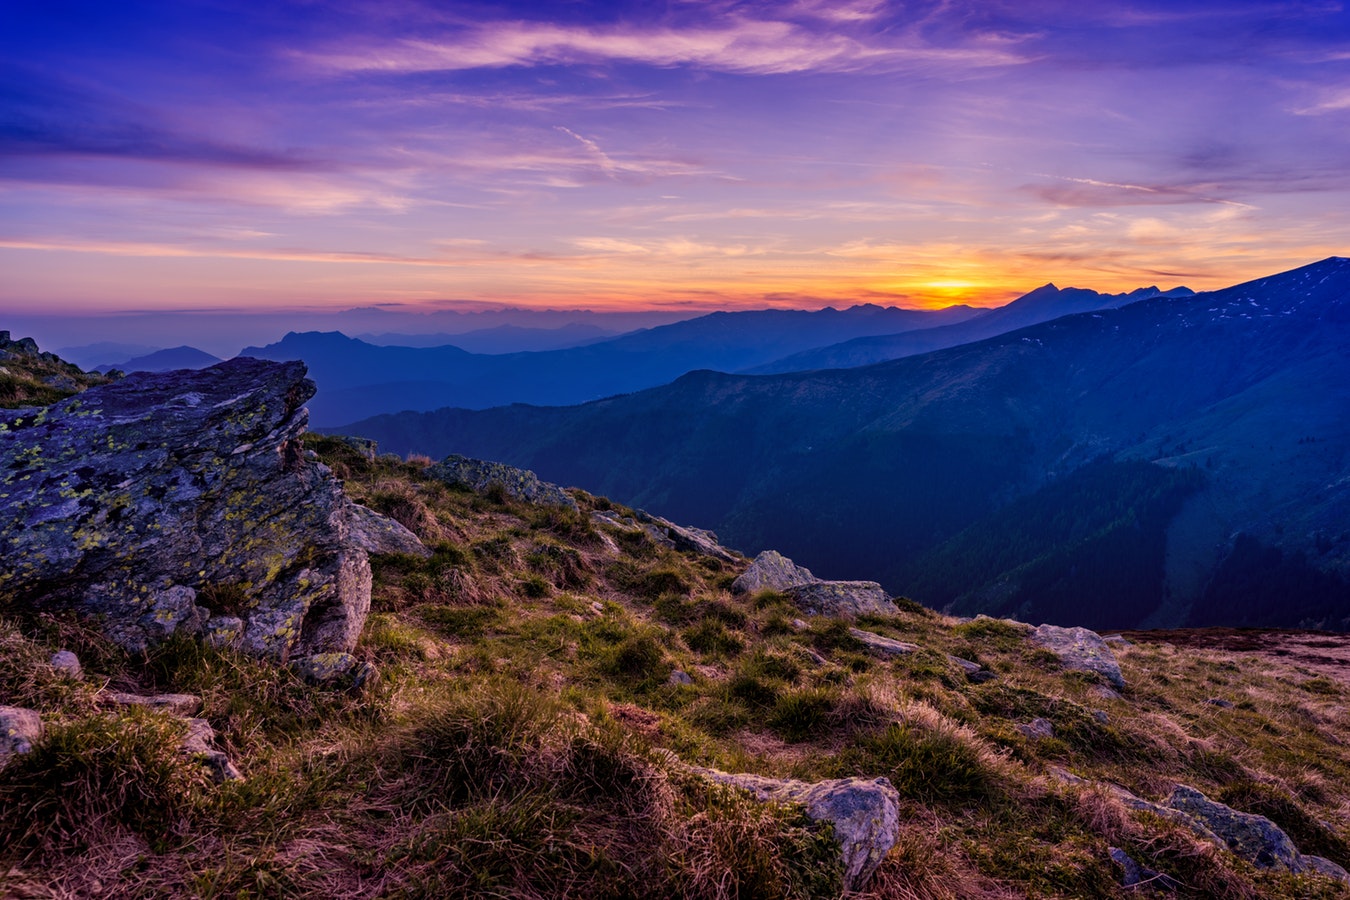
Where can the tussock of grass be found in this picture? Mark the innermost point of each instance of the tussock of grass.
(97, 774)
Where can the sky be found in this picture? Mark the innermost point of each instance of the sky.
(219, 157)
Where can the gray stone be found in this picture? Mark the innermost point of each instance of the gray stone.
(865, 813)
(121, 500)
(174, 704)
(965, 665)
(678, 677)
(1101, 716)
(1220, 702)
(67, 663)
(1118, 640)
(771, 571)
(881, 645)
(1133, 873)
(20, 729)
(1254, 838)
(684, 538)
(480, 475)
(1326, 867)
(1037, 729)
(1081, 650)
(200, 736)
(842, 599)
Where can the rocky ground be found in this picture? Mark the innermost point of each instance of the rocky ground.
(557, 696)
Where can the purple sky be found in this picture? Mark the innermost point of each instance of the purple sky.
(680, 155)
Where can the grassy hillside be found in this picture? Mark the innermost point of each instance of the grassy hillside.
(518, 741)
(29, 377)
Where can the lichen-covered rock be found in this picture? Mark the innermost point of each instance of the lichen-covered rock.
(1081, 650)
(772, 571)
(20, 729)
(883, 645)
(842, 599)
(129, 501)
(480, 475)
(865, 813)
(1254, 838)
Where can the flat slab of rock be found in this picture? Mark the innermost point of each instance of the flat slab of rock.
(177, 704)
(128, 501)
(883, 645)
(865, 813)
(1080, 650)
(842, 599)
(771, 571)
(480, 475)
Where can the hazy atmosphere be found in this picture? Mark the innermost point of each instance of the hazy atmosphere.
(683, 156)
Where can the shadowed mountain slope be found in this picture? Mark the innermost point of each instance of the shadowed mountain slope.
(1238, 402)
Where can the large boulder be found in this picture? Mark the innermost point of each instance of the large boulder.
(772, 571)
(165, 501)
(842, 599)
(1081, 650)
(864, 812)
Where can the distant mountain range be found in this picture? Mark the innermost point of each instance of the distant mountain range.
(358, 379)
(1176, 460)
(1041, 305)
(164, 361)
(500, 339)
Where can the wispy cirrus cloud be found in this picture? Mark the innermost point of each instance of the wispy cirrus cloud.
(738, 45)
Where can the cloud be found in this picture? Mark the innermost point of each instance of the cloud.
(44, 117)
(741, 45)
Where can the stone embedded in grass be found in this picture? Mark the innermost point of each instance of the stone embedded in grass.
(864, 812)
(1254, 838)
(771, 571)
(174, 704)
(1080, 650)
(882, 645)
(67, 663)
(1037, 729)
(843, 599)
(200, 736)
(20, 729)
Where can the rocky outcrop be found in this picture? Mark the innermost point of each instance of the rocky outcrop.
(772, 571)
(684, 537)
(170, 503)
(865, 813)
(1081, 650)
(480, 475)
(842, 599)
